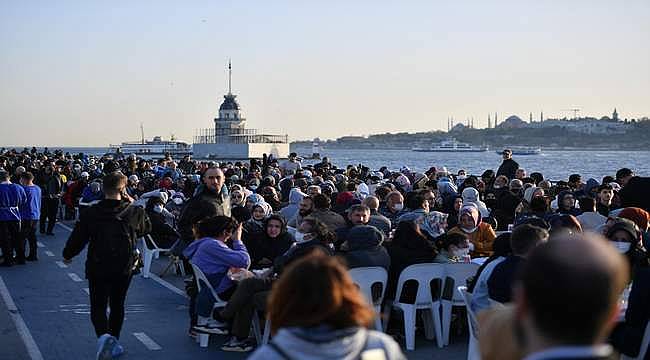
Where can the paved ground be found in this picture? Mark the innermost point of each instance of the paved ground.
(52, 301)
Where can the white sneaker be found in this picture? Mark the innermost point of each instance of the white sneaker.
(105, 345)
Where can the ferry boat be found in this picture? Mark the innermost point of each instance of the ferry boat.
(451, 145)
(157, 147)
(524, 150)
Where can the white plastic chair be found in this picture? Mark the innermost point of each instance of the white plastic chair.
(365, 278)
(149, 254)
(472, 349)
(424, 274)
(456, 274)
(201, 281)
(645, 345)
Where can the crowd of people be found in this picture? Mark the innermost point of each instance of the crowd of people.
(276, 237)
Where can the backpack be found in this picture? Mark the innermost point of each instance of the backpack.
(113, 243)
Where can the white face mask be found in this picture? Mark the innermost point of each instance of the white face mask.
(177, 201)
(461, 252)
(398, 206)
(300, 237)
(621, 246)
(158, 208)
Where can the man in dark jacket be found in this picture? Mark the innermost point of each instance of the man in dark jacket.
(364, 248)
(210, 201)
(51, 186)
(508, 167)
(110, 228)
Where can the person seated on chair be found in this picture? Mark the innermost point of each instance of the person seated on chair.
(309, 323)
(452, 248)
(480, 234)
(265, 247)
(567, 298)
(363, 248)
(251, 293)
(478, 286)
(523, 240)
(163, 235)
(219, 249)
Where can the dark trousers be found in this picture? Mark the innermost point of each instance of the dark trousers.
(49, 210)
(108, 291)
(250, 295)
(28, 234)
(10, 241)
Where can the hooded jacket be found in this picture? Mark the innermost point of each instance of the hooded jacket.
(204, 204)
(364, 248)
(471, 195)
(325, 343)
(295, 196)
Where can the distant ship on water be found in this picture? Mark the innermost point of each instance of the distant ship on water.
(523, 150)
(156, 147)
(450, 145)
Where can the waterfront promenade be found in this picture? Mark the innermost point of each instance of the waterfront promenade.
(53, 303)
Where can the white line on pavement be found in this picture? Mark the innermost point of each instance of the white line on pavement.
(86, 290)
(32, 349)
(49, 253)
(167, 285)
(61, 264)
(65, 226)
(40, 244)
(147, 341)
(75, 277)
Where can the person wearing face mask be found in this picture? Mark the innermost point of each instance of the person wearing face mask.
(266, 246)
(161, 232)
(452, 248)
(480, 234)
(255, 225)
(394, 207)
(237, 198)
(625, 236)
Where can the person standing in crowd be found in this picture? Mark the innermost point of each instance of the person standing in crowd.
(30, 213)
(209, 201)
(604, 199)
(590, 219)
(51, 187)
(110, 228)
(508, 167)
(12, 198)
(322, 212)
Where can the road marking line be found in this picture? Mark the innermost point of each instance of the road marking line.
(23, 330)
(168, 285)
(147, 341)
(61, 264)
(75, 277)
(40, 244)
(65, 226)
(86, 290)
(49, 253)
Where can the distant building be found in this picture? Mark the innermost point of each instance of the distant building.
(513, 122)
(229, 139)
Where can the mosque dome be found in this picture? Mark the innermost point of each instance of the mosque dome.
(229, 103)
(513, 121)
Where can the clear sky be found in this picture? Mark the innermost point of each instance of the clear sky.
(87, 73)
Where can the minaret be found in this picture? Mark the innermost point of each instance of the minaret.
(489, 122)
(472, 122)
(530, 118)
(615, 115)
(496, 121)
(541, 116)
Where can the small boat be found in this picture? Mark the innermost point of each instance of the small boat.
(524, 150)
(450, 145)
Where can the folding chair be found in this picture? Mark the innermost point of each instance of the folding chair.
(456, 274)
(424, 275)
(473, 352)
(201, 281)
(365, 278)
(149, 255)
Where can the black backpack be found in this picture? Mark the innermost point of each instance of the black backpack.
(112, 247)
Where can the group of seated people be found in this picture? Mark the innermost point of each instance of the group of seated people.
(243, 255)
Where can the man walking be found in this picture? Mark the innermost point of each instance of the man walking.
(110, 228)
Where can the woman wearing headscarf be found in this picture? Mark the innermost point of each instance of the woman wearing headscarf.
(480, 234)
(530, 193)
(471, 195)
(237, 198)
(566, 203)
(260, 212)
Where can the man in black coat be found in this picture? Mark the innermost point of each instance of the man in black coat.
(508, 167)
(110, 228)
(209, 202)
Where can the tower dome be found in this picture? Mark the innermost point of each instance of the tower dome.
(229, 103)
